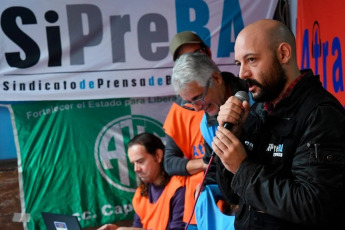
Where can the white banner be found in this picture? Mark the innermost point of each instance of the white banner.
(78, 49)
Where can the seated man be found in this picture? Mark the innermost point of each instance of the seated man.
(159, 200)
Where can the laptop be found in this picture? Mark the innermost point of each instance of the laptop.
(55, 221)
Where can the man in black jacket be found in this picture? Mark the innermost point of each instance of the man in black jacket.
(287, 152)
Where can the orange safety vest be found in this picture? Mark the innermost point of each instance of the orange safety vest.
(183, 126)
(155, 216)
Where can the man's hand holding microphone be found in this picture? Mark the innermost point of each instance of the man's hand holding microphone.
(231, 118)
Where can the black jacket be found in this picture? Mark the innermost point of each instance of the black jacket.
(294, 175)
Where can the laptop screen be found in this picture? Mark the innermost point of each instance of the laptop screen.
(55, 221)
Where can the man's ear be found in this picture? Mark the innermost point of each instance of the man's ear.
(217, 77)
(208, 52)
(159, 155)
(284, 53)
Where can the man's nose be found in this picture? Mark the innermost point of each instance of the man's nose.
(136, 168)
(197, 107)
(244, 72)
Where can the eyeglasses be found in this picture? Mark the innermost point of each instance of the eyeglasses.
(200, 101)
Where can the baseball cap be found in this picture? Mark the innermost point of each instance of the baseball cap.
(185, 37)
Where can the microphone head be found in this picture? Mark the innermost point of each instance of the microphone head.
(242, 95)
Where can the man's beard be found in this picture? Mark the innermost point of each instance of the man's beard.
(273, 84)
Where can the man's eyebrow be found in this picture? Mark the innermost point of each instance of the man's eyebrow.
(139, 159)
(249, 54)
(244, 57)
(136, 160)
(196, 97)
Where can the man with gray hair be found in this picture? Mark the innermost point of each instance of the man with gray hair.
(185, 146)
(198, 80)
(202, 86)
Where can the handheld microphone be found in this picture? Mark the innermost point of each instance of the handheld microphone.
(243, 96)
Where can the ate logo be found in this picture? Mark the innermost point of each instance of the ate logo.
(111, 149)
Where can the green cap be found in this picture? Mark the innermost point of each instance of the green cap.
(185, 37)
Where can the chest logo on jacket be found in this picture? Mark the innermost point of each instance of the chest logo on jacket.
(277, 150)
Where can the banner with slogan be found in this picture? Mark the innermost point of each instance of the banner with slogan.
(321, 42)
(72, 156)
(78, 49)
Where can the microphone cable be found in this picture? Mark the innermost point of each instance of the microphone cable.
(201, 188)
